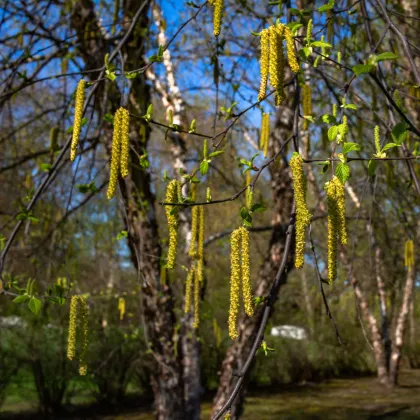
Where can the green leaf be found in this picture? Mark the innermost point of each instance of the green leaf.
(328, 119)
(362, 68)
(84, 121)
(305, 52)
(110, 75)
(390, 146)
(217, 153)
(122, 234)
(246, 216)
(327, 6)
(351, 106)
(192, 127)
(204, 167)
(386, 56)
(372, 167)
(349, 147)
(321, 44)
(46, 167)
(69, 130)
(332, 133)
(21, 299)
(399, 132)
(258, 207)
(342, 172)
(109, 118)
(130, 75)
(35, 305)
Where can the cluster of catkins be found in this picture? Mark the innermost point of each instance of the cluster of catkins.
(337, 230)
(78, 315)
(240, 273)
(120, 150)
(265, 133)
(272, 61)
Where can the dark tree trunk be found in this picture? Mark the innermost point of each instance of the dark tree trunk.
(282, 190)
(138, 203)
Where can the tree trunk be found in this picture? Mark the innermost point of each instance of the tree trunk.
(138, 203)
(398, 341)
(281, 184)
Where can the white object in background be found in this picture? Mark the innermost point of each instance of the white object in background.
(289, 331)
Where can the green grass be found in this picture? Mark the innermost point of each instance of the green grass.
(359, 398)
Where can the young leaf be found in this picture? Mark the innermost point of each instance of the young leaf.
(21, 299)
(390, 146)
(349, 147)
(35, 305)
(204, 167)
(386, 56)
(362, 68)
(257, 207)
(216, 153)
(399, 133)
(122, 234)
(342, 172)
(332, 133)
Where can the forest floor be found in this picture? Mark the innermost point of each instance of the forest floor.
(356, 398)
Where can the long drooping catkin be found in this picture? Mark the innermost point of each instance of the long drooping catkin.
(246, 273)
(303, 216)
(125, 141)
(200, 247)
(71, 342)
(265, 133)
(409, 254)
(293, 62)
(336, 223)
(196, 322)
(78, 312)
(172, 217)
(188, 287)
(276, 65)
(78, 116)
(264, 62)
(83, 335)
(218, 13)
(235, 281)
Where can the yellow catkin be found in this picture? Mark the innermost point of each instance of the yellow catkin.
(343, 131)
(115, 155)
(71, 342)
(276, 65)
(341, 210)
(290, 45)
(188, 286)
(200, 247)
(264, 62)
(409, 254)
(377, 137)
(194, 223)
(246, 273)
(83, 335)
(172, 217)
(265, 133)
(196, 321)
(121, 307)
(125, 141)
(235, 278)
(78, 116)
(303, 216)
(218, 12)
(334, 226)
